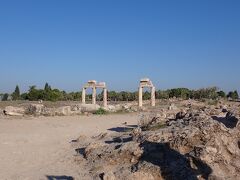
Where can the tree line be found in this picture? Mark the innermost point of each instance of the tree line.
(51, 94)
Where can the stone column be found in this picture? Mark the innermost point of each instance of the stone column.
(84, 96)
(140, 94)
(94, 95)
(153, 101)
(105, 97)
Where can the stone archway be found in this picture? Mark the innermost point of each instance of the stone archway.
(94, 85)
(148, 84)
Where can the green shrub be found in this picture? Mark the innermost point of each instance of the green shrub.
(233, 95)
(5, 97)
(100, 111)
(221, 94)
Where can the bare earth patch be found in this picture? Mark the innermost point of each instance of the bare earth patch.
(40, 148)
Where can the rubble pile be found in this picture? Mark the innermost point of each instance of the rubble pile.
(202, 143)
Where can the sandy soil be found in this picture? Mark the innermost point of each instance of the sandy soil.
(40, 148)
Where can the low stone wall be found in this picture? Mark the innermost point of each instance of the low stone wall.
(67, 110)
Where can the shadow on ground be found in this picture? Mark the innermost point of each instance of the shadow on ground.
(229, 123)
(121, 129)
(174, 165)
(80, 151)
(126, 128)
(119, 140)
(60, 178)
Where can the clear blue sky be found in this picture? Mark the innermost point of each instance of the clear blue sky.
(187, 43)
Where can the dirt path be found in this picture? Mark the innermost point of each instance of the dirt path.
(39, 148)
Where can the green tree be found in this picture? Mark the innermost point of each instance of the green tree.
(146, 95)
(55, 95)
(183, 93)
(205, 93)
(5, 97)
(77, 96)
(236, 96)
(125, 96)
(221, 94)
(35, 94)
(112, 96)
(47, 87)
(24, 96)
(133, 96)
(16, 94)
(233, 95)
(162, 94)
(120, 96)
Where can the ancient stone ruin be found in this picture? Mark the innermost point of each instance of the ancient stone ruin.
(146, 83)
(94, 85)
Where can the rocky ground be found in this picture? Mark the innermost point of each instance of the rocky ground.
(175, 140)
(189, 141)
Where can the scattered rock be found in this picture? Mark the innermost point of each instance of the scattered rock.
(134, 109)
(14, 111)
(92, 148)
(224, 108)
(109, 176)
(181, 115)
(161, 115)
(131, 151)
(126, 107)
(35, 109)
(142, 176)
(194, 145)
(76, 108)
(92, 108)
(49, 112)
(172, 107)
(137, 132)
(111, 108)
(63, 111)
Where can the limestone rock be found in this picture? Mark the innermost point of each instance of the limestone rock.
(63, 111)
(110, 108)
(49, 112)
(199, 143)
(137, 132)
(35, 109)
(224, 108)
(109, 176)
(75, 108)
(134, 108)
(14, 111)
(172, 107)
(162, 114)
(118, 107)
(126, 107)
(142, 176)
(92, 108)
(132, 150)
(90, 150)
